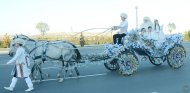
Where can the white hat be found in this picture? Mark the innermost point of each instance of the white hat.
(124, 15)
(146, 18)
(20, 41)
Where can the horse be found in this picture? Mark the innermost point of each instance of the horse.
(62, 52)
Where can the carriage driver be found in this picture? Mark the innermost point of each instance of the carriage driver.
(20, 69)
(123, 27)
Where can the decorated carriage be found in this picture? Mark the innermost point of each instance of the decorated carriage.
(122, 58)
(126, 57)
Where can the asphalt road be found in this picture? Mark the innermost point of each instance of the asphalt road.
(95, 78)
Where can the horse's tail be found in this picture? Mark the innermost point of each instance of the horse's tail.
(76, 51)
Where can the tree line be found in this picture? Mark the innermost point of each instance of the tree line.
(79, 40)
(102, 39)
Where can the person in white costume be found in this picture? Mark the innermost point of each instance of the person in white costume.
(123, 27)
(21, 66)
(146, 23)
(142, 32)
(158, 32)
(146, 34)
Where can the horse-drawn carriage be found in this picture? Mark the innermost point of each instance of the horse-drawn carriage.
(126, 61)
(123, 58)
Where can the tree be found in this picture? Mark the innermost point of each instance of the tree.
(82, 41)
(188, 33)
(171, 27)
(1, 44)
(6, 41)
(42, 27)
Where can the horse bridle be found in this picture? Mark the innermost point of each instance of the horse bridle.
(27, 50)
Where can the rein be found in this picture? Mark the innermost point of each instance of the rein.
(88, 30)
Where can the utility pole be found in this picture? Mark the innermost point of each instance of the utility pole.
(136, 8)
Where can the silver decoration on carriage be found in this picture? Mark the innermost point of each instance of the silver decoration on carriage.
(170, 50)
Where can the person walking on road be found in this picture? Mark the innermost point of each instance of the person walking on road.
(21, 66)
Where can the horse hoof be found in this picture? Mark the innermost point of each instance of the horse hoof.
(70, 75)
(58, 76)
(60, 80)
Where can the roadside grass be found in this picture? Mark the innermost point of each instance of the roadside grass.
(4, 49)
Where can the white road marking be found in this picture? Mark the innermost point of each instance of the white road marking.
(50, 68)
(154, 92)
(9, 64)
(6, 64)
(93, 75)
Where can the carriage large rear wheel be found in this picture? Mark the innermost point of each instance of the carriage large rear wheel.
(176, 56)
(112, 65)
(157, 61)
(128, 63)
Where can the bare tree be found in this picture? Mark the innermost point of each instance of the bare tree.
(6, 41)
(171, 27)
(42, 27)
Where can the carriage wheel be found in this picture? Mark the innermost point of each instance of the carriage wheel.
(156, 61)
(112, 65)
(176, 56)
(36, 73)
(128, 63)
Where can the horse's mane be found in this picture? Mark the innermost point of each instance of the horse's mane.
(23, 37)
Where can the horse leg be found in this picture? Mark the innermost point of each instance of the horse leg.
(77, 72)
(74, 67)
(36, 72)
(32, 71)
(59, 71)
(67, 68)
(40, 70)
(71, 69)
(61, 78)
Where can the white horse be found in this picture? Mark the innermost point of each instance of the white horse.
(63, 52)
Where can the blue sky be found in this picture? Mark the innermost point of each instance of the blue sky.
(21, 16)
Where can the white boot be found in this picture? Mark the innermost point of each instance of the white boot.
(12, 85)
(29, 84)
(8, 88)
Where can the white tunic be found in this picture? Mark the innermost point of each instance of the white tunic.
(158, 34)
(21, 64)
(123, 27)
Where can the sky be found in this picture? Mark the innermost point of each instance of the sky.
(21, 16)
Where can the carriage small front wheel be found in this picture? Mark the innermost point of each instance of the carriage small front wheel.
(112, 65)
(176, 56)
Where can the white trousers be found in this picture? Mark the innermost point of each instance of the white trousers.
(13, 82)
(28, 82)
